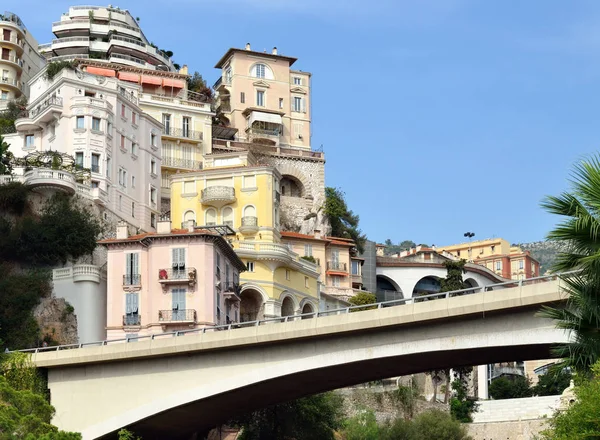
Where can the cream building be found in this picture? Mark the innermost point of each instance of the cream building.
(19, 58)
(104, 33)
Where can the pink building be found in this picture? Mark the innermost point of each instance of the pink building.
(170, 280)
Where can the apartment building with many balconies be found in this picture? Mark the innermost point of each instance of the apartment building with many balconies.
(19, 58)
(97, 121)
(242, 196)
(104, 33)
(170, 280)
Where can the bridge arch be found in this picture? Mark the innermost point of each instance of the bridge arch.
(427, 285)
(388, 289)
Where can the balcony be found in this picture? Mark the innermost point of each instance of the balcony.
(185, 275)
(15, 61)
(256, 133)
(7, 178)
(70, 26)
(337, 266)
(70, 45)
(132, 319)
(175, 162)
(126, 59)
(175, 317)
(132, 281)
(12, 41)
(46, 111)
(182, 133)
(231, 291)
(53, 179)
(11, 83)
(97, 195)
(249, 225)
(218, 196)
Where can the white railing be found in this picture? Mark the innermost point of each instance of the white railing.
(86, 269)
(7, 178)
(128, 40)
(344, 310)
(70, 40)
(68, 57)
(10, 82)
(128, 58)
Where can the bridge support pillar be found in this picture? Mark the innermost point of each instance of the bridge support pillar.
(482, 382)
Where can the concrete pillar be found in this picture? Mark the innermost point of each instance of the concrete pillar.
(482, 382)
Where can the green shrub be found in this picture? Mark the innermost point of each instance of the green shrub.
(363, 298)
(510, 388)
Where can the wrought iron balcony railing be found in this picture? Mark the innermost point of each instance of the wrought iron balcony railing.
(175, 162)
(336, 265)
(172, 274)
(231, 287)
(188, 315)
(131, 319)
(182, 133)
(132, 279)
(53, 100)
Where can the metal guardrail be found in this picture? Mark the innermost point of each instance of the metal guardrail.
(177, 315)
(183, 133)
(337, 265)
(344, 310)
(132, 279)
(132, 319)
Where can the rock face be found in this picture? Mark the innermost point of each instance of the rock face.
(56, 320)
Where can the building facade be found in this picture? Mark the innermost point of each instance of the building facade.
(19, 58)
(170, 280)
(98, 122)
(104, 33)
(263, 105)
(499, 256)
(233, 191)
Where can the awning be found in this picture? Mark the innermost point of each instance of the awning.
(100, 71)
(174, 83)
(265, 117)
(128, 76)
(154, 80)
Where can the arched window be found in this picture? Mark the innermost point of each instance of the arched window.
(249, 211)
(189, 215)
(227, 214)
(260, 70)
(210, 217)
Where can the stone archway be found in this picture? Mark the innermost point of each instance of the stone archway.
(291, 187)
(307, 308)
(294, 179)
(251, 305)
(287, 306)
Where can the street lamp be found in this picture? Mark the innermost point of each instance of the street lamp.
(469, 234)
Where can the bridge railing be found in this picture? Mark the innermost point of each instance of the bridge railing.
(344, 310)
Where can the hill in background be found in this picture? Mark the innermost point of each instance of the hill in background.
(545, 252)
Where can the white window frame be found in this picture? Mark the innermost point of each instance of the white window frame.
(250, 266)
(263, 94)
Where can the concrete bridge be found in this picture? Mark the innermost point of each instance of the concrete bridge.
(173, 387)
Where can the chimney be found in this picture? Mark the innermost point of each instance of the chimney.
(317, 234)
(184, 70)
(274, 51)
(122, 232)
(163, 226)
(247, 46)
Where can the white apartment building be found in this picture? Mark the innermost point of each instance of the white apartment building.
(19, 58)
(98, 121)
(104, 33)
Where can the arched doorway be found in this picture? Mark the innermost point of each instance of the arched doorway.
(287, 307)
(387, 289)
(290, 186)
(427, 286)
(308, 308)
(251, 305)
(470, 282)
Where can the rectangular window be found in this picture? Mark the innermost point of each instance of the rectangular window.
(521, 264)
(178, 263)
(124, 179)
(260, 98)
(153, 139)
(80, 122)
(297, 104)
(133, 209)
(4, 96)
(134, 149)
(95, 163)
(355, 268)
(123, 114)
(287, 274)
(189, 187)
(132, 269)
(153, 197)
(29, 140)
(493, 249)
(280, 102)
(153, 167)
(249, 181)
(297, 81)
(123, 142)
(109, 127)
(153, 220)
(134, 118)
(308, 250)
(120, 203)
(79, 159)
(131, 308)
(178, 304)
(242, 97)
(96, 124)
(335, 281)
(52, 129)
(133, 181)
(185, 123)
(108, 164)
(498, 265)
(250, 266)
(95, 184)
(305, 281)
(166, 120)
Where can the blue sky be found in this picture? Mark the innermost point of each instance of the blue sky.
(437, 117)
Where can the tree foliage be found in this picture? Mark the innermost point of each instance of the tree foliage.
(454, 276)
(552, 383)
(510, 387)
(462, 406)
(344, 223)
(6, 157)
(363, 298)
(202, 92)
(580, 211)
(314, 417)
(581, 421)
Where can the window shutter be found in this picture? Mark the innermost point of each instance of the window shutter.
(135, 269)
(128, 264)
(304, 105)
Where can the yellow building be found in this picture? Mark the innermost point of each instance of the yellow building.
(233, 191)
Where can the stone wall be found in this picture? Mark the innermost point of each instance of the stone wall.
(527, 408)
(516, 430)
(56, 321)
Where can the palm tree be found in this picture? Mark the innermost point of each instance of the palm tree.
(580, 230)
